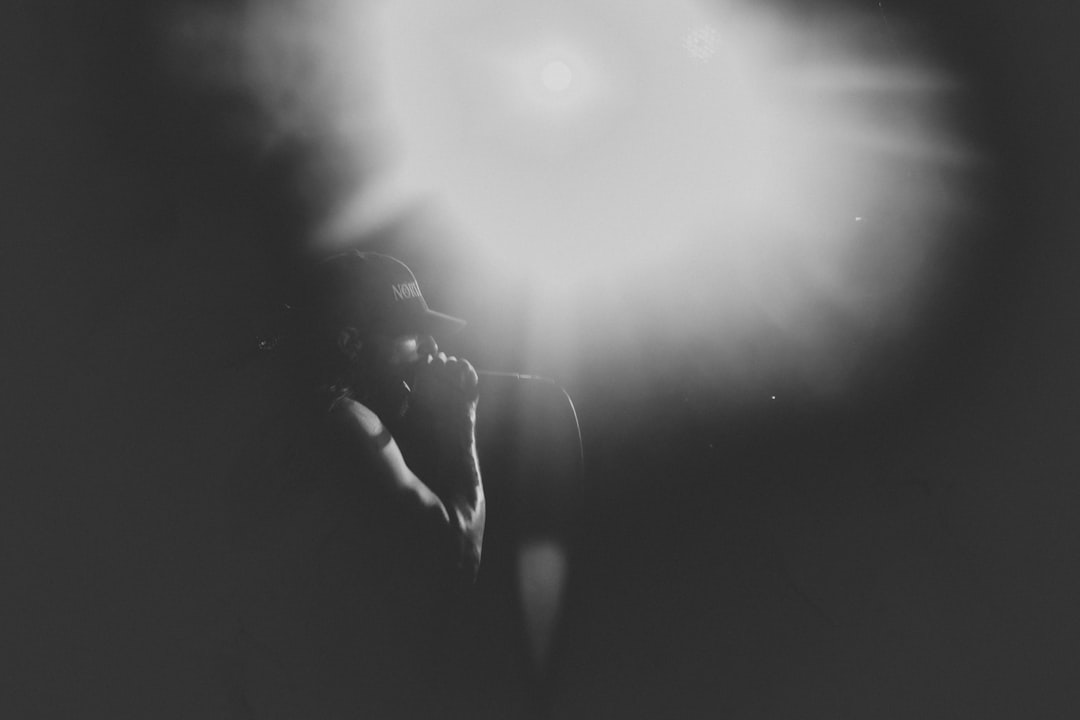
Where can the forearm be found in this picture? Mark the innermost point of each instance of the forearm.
(443, 419)
(463, 493)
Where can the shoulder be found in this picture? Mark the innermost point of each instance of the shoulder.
(349, 412)
(356, 421)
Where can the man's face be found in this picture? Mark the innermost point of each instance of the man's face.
(397, 356)
(386, 366)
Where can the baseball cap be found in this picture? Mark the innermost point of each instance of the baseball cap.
(375, 293)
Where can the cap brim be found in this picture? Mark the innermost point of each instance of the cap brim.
(439, 324)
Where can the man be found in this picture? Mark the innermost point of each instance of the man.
(363, 523)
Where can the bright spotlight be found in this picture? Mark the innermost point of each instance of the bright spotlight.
(557, 76)
(756, 188)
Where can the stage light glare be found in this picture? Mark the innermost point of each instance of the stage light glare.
(673, 174)
(557, 76)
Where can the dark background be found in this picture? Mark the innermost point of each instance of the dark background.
(909, 554)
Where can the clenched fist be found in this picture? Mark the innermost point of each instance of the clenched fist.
(441, 443)
(445, 389)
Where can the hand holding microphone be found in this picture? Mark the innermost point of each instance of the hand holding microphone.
(445, 389)
(442, 416)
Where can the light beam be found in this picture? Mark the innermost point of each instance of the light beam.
(759, 193)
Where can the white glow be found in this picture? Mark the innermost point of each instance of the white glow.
(557, 76)
(702, 42)
(542, 567)
(662, 173)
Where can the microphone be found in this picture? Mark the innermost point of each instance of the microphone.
(531, 404)
(499, 376)
(503, 384)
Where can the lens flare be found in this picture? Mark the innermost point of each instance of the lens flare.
(557, 76)
(743, 193)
